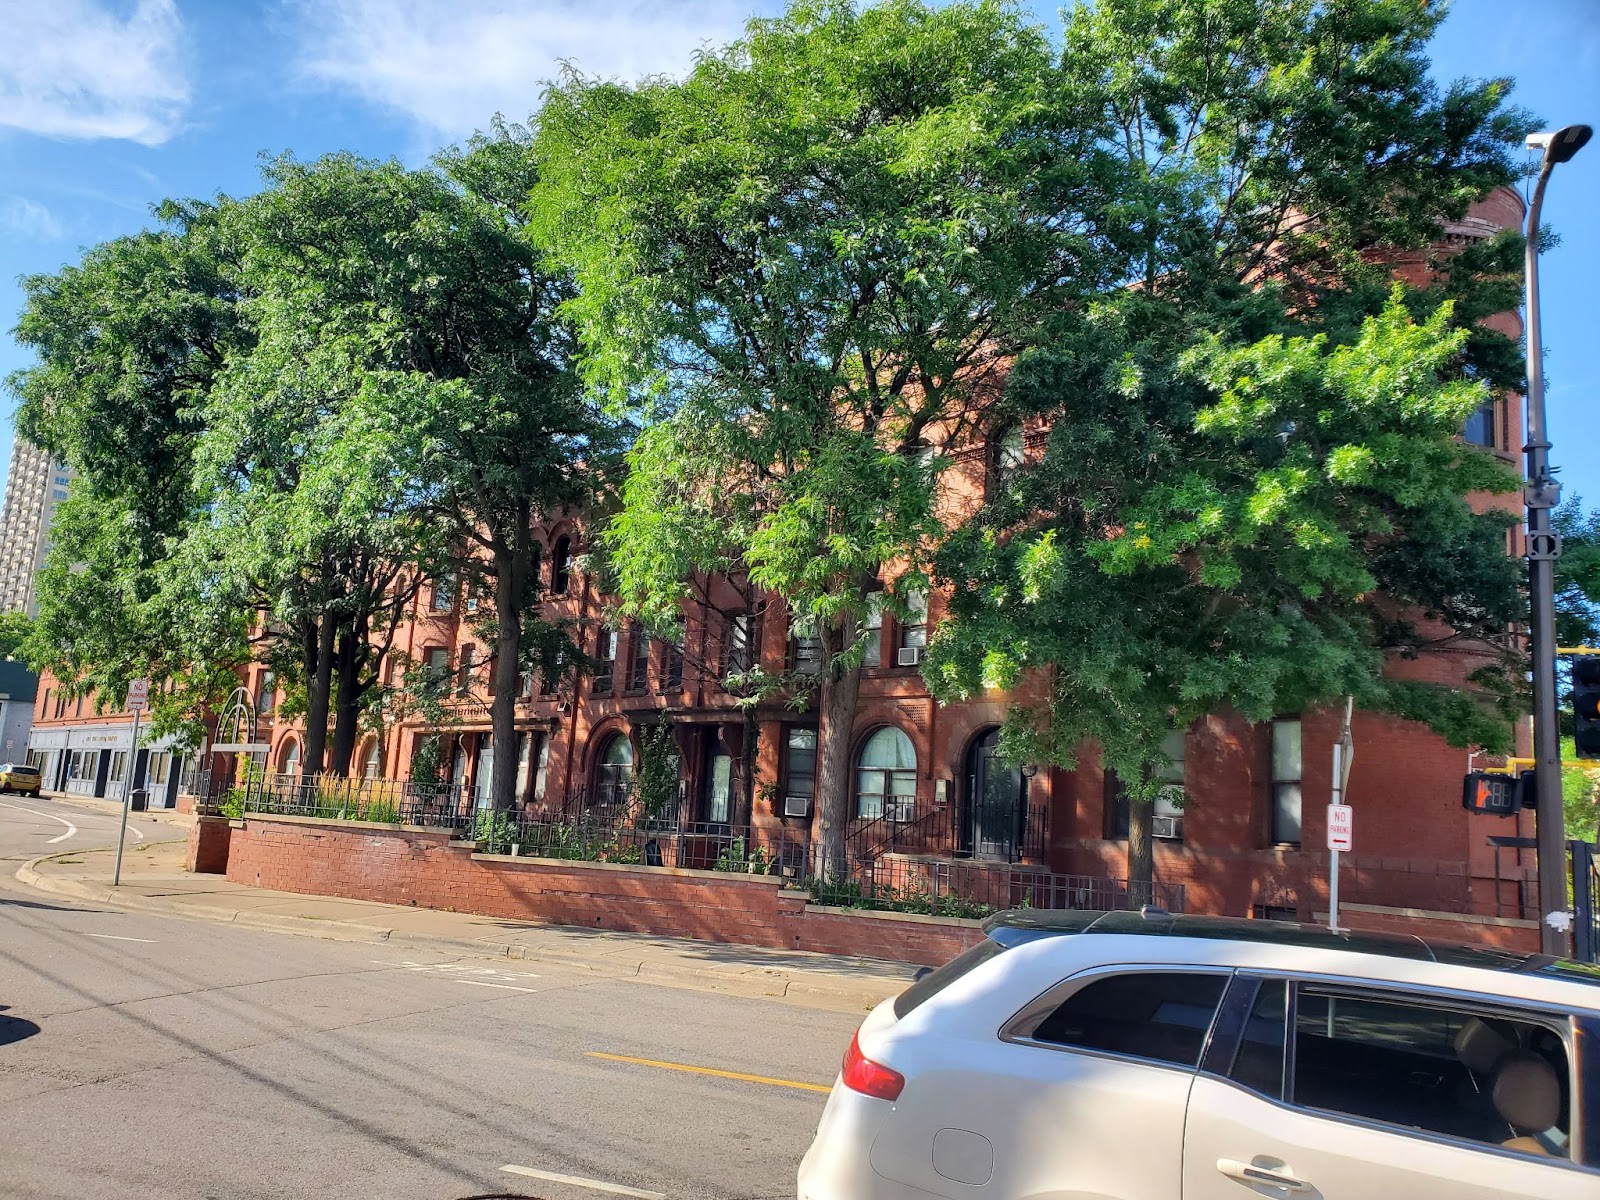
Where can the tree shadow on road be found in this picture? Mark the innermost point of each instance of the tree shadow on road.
(12, 902)
(14, 1029)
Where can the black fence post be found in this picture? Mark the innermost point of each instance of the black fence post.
(1586, 913)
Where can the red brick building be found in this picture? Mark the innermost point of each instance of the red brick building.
(928, 788)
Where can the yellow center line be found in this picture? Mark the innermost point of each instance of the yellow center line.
(672, 1066)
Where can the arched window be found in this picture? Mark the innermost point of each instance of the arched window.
(613, 774)
(372, 760)
(886, 776)
(560, 566)
(289, 757)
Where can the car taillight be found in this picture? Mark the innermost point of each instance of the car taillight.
(863, 1075)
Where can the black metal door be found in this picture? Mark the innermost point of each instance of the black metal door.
(996, 800)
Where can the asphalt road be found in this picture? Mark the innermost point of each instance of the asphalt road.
(152, 1056)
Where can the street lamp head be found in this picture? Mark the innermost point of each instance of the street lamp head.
(1561, 144)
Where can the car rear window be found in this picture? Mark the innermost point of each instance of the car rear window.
(23, 770)
(935, 981)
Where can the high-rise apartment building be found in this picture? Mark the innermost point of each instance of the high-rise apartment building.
(35, 485)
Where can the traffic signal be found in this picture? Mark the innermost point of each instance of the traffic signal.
(1497, 795)
(1586, 704)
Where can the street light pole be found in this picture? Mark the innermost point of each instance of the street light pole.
(1541, 493)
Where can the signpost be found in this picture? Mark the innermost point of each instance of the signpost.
(1341, 817)
(138, 701)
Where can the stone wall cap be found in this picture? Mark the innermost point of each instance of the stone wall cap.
(1433, 914)
(881, 914)
(343, 823)
(639, 869)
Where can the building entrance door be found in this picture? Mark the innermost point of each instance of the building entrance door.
(996, 802)
(717, 787)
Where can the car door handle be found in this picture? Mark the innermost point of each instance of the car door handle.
(1250, 1173)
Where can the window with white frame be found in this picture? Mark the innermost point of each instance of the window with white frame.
(886, 776)
(605, 661)
(1287, 797)
(914, 626)
(444, 593)
(872, 649)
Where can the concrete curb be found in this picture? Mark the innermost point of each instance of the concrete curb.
(753, 982)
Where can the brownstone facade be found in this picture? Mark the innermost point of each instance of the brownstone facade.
(1235, 845)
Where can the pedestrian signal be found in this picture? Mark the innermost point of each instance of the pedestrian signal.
(1497, 795)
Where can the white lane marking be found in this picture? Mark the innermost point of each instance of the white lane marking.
(616, 1189)
(71, 828)
(510, 987)
(452, 969)
(116, 938)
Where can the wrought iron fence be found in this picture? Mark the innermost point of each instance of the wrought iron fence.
(685, 845)
(912, 870)
(381, 801)
(943, 830)
(975, 888)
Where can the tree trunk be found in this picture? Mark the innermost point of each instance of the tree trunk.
(1141, 849)
(511, 563)
(839, 693)
(319, 688)
(347, 701)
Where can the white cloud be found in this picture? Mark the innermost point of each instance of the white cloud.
(78, 69)
(450, 67)
(27, 219)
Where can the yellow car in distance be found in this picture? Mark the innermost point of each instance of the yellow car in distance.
(19, 777)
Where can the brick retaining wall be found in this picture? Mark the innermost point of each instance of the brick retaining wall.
(408, 865)
(209, 839)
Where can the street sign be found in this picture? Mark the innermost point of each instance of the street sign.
(1341, 826)
(138, 695)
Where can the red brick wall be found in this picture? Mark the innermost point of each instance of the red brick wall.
(209, 838)
(1516, 935)
(421, 867)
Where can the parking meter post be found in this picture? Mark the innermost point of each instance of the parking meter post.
(127, 800)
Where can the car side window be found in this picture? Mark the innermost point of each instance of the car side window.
(1160, 1015)
(1258, 1064)
(1437, 1069)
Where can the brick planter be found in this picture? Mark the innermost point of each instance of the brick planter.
(396, 864)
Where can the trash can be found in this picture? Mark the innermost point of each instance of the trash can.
(140, 800)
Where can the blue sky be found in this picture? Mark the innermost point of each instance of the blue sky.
(107, 106)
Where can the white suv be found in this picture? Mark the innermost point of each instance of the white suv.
(1142, 1056)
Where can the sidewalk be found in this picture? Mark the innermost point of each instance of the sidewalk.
(154, 880)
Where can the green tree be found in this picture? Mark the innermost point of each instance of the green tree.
(129, 341)
(803, 265)
(15, 630)
(1252, 499)
(417, 375)
(1577, 574)
(309, 523)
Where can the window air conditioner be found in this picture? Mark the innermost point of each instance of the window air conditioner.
(796, 806)
(909, 656)
(1170, 827)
